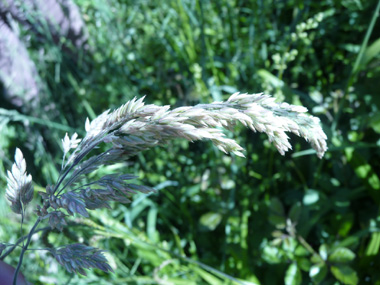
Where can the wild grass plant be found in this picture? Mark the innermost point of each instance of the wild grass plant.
(215, 218)
(132, 128)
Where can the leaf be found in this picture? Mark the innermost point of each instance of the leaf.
(342, 223)
(323, 251)
(341, 255)
(345, 274)
(374, 245)
(295, 212)
(207, 277)
(293, 275)
(210, 220)
(270, 78)
(301, 251)
(303, 263)
(272, 254)
(374, 122)
(289, 245)
(275, 82)
(372, 51)
(363, 169)
(277, 213)
(151, 224)
(278, 221)
(311, 197)
(318, 272)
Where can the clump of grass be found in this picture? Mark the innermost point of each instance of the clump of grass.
(132, 128)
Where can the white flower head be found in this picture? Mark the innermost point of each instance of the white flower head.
(19, 191)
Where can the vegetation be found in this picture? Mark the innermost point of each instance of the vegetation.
(215, 218)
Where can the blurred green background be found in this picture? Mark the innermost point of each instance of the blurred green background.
(216, 218)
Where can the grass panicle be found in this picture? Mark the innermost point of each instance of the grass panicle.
(135, 127)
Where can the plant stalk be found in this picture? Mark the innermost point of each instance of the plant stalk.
(24, 248)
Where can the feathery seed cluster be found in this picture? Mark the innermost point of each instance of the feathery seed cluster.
(135, 127)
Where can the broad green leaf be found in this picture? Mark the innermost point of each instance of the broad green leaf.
(318, 272)
(341, 255)
(293, 275)
(345, 274)
(210, 220)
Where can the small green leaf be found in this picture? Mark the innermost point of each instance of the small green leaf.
(289, 245)
(345, 274)
(374, 245)
(323, 251)
(318, 272)
(304, 263)
(371, 52)
(277, 213)
(301, 251)
(211, 220)
(151, 224)
(293, 275)
(341, 255)
(276, 207)
(311, 197)
(272, 79)
(277, 221)
(272, 254)
(362, 168)
(342, 222)
(374, 122)
(295, 212)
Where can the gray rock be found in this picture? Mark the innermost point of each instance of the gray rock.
(48, 19)
(18, 72)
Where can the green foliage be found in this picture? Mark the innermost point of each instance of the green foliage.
(218, 219)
